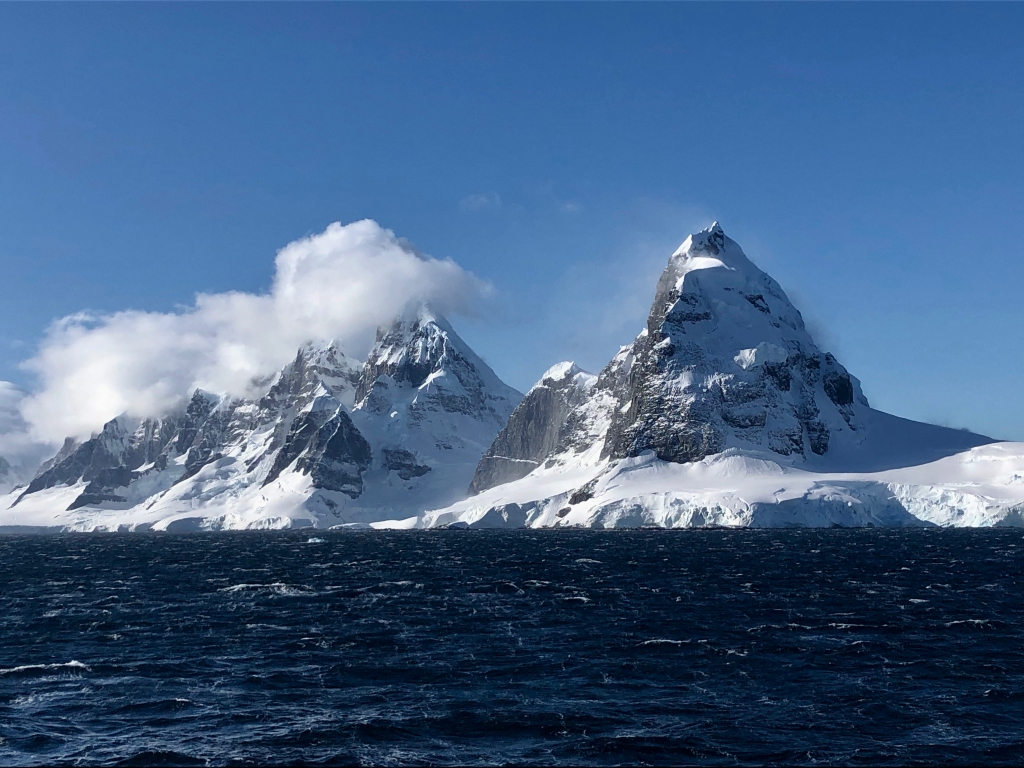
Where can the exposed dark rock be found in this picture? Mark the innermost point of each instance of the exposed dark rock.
(838, 387)
(781, 375)
(303, 423)
(422, 352)
(583, 493)
(328, 447)
(535, 429)
(403, 463)
(745, 419)
(209, 439)
(101, 487)
(106, 461)
(195, 414)
(724, 360)
(70, 446)
(758, 302)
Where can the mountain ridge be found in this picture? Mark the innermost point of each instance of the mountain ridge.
(723, 410)
(327, 432)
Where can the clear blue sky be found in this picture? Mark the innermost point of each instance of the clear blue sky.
(869, 156)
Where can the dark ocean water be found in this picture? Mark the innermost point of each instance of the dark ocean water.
(559, 647)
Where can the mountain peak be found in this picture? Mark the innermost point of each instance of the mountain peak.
(560, 371)
(728, 362)
(709, 241)
(724, 381)
(725, 362)
(421, 348)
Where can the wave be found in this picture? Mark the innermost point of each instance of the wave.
(44, 667)
(665, 641)
(277, 588)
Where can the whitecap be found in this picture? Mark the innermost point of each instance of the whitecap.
(278, 588)
(665, 641)
(34, 667)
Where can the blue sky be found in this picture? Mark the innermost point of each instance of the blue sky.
(869, 156)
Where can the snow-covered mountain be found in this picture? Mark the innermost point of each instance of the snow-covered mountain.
(331, 442)
(723, 411)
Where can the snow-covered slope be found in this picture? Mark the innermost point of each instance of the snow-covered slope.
(983, 486)
(723, 411)
(332, 441)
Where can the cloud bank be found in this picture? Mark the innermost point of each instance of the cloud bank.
(17, 447)
(339, 284)
(12, 426)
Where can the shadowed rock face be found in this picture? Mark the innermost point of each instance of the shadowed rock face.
(310, 427)
(211, 426)
(407, 353)
(328, 447)
(403, 463)
(106, 461)
(535, 430)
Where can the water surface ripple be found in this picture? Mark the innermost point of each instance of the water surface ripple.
(477, 647)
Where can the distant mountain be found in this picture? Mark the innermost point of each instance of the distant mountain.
(333, 441)
(723, 411)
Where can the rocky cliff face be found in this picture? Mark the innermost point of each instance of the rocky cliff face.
(108, 461)
(422, 353)
(330, 433)
(431, 407)
(538, 428)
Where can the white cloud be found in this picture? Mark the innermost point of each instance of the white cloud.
(16, 446)
(10, 417)
(481, 201)
(340, 284)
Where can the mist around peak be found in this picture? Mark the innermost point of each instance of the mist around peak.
(339, 284)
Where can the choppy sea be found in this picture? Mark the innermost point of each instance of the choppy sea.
(541, 647)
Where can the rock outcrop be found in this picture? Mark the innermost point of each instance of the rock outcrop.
(536, 429)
